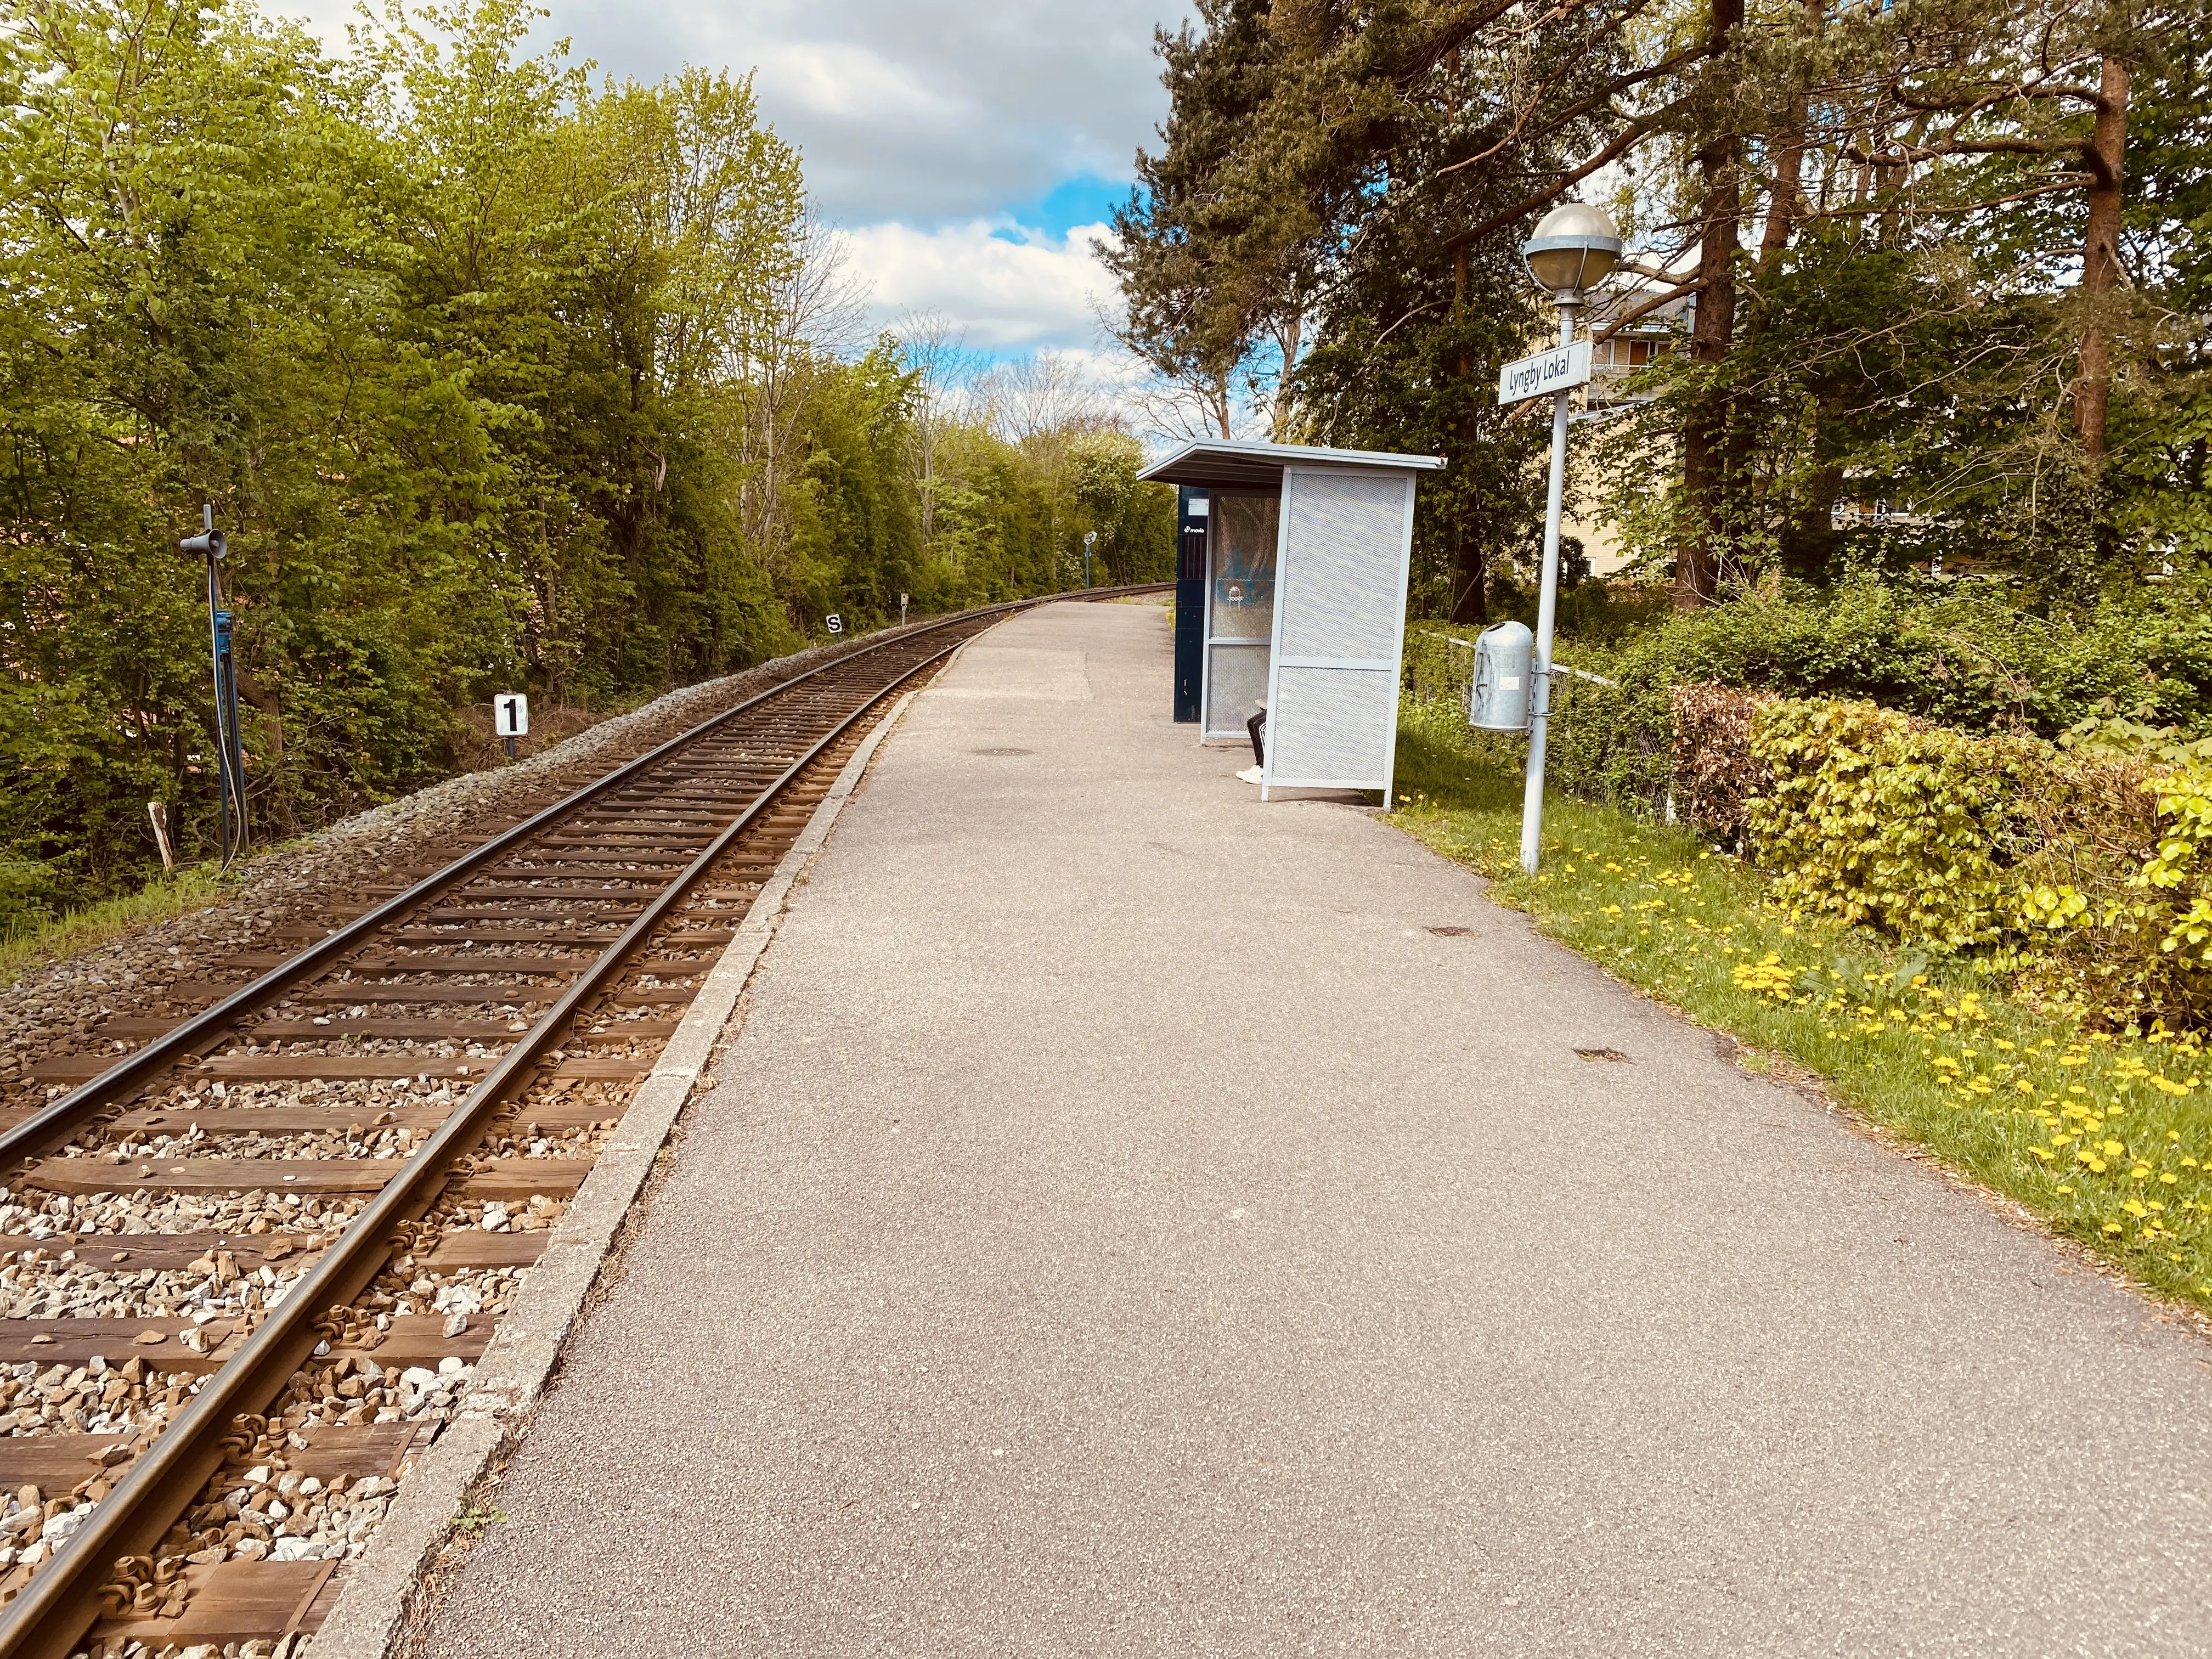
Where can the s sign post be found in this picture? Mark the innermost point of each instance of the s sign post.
(510, 718)
(230, 747)
(1575, 246)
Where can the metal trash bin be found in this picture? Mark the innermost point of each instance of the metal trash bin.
(1501, 697)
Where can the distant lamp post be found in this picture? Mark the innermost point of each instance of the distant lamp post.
(1089, 541)
(1574, 249)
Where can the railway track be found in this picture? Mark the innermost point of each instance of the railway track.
(249, 1265)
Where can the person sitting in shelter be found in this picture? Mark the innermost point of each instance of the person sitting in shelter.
(1256, 727)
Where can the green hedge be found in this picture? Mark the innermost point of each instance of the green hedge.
(1963, 656)
(2074, 870)
(1885, 753)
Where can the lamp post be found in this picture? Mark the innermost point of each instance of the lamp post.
(1574, 248)
(1090, 540)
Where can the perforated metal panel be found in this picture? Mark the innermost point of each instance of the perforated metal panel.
(1332, 728)
(1340, 611)
(1346, 532)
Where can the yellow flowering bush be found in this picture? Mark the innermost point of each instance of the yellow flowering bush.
(2104, 1133)
(2184, 810)
(1878, 819)
(2079, 872)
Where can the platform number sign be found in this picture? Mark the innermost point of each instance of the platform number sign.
(510, 718)
(835, 624)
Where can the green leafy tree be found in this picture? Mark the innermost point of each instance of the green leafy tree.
(493, 377)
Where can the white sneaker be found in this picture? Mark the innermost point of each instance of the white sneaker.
(1251, 775)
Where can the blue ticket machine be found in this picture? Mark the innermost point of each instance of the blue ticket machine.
(1191, 510)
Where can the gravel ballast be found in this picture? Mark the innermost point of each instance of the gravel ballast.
(53, 1010)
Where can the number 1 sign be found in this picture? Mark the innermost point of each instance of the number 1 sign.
(510, 718)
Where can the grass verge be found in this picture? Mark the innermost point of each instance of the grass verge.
(2107, 1138)
(95, 924)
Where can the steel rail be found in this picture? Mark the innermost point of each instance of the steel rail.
(64, 1116)
(49, 1617)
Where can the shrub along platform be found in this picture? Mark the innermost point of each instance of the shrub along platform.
(2106, 1136)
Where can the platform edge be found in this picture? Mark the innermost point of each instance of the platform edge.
(379, 1599)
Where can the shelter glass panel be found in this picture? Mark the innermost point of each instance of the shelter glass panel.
(1235, 683)
(1244, 554)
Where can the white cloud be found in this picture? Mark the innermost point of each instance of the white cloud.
(1108, 368)
(926, 126)
(1012, 296)
(924, 111)
(837, 81)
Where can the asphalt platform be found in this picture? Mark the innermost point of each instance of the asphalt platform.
(1126, 1228)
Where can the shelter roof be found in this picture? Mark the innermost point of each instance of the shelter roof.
(1225, 464)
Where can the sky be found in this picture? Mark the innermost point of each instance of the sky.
(969, 153)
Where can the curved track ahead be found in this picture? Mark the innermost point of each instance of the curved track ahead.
(382, 1219)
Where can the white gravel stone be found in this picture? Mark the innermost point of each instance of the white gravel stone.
(61, 1526)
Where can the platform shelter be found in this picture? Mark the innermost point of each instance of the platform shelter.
(1292, 592)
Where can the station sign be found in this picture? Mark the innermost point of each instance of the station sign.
(1546, 371)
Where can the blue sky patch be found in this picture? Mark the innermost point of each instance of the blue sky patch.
(1085, 199)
